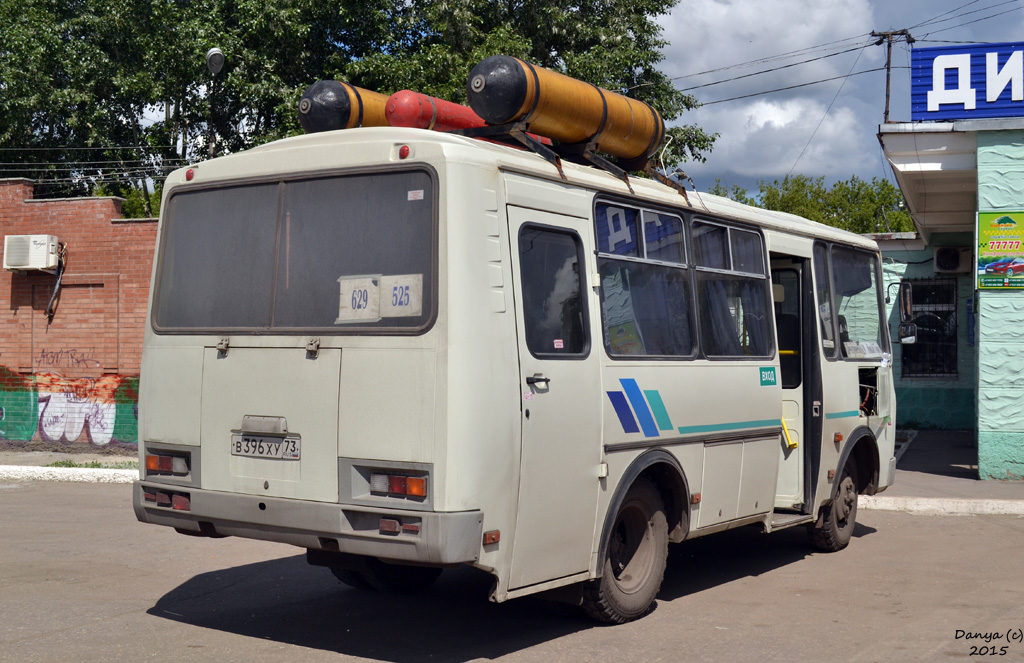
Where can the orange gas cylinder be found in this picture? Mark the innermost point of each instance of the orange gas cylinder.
(330, 105)
(504, 89)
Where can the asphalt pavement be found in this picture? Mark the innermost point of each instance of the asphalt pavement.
(936, 472)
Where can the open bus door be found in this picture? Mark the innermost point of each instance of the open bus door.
(788, 288)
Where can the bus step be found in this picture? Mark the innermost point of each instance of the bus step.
(784, 520)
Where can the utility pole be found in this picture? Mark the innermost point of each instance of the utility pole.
(887, 38)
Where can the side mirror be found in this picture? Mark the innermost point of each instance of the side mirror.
(906, 302)
(907, 333)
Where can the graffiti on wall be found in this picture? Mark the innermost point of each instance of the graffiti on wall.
(54, 408)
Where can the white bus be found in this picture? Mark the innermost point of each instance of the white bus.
(403, 351)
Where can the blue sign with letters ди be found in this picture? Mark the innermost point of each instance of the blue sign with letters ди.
(967, 81)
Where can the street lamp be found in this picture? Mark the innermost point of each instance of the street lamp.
(214, 62)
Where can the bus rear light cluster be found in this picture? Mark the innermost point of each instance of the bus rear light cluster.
(166, 464)
(167, 499)
(398, 485)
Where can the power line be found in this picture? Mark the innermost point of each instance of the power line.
(938, 19)
(832, 103)
(770, 58)
(779, 68)
(984, 18)
(793, 87)
(75, 148)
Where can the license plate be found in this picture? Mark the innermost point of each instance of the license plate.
(266, 446)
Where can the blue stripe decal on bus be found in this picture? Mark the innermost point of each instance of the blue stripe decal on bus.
(842, 415)
(658, 408)
(622, 409)
(643, 413)
(737, 425)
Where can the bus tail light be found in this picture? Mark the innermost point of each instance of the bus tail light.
(398, 485)
(174, 465)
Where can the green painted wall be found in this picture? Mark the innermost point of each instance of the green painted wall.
(931, 402)
(1000, 320)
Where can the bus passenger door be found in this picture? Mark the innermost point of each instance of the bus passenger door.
(787, 287)
(560, 398)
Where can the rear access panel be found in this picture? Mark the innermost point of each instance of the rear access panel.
(270, 422)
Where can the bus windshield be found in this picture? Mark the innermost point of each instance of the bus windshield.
(351, 254)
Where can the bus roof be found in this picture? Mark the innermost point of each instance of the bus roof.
(333, 150)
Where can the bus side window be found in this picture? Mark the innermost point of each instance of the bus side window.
(554, 314)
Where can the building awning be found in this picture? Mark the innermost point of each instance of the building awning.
(936, 167)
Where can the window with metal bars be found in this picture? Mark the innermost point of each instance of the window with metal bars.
(934, 307)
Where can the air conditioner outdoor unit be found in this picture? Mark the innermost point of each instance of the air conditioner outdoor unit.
(30, 252)
(953, 260)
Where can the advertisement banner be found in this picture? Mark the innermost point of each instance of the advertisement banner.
(1001, 250)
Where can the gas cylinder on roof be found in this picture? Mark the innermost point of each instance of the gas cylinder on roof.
(503, 89)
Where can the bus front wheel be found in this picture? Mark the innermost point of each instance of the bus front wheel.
(840, 515)
(636, 553)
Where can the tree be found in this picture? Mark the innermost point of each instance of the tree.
(854, 204)
(115, 93)
(614, 44)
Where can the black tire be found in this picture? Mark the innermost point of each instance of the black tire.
(351, 578)
(398, 579)
(636, 552)
(840, 515)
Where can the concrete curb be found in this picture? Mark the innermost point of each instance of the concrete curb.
(943, 506)
(938, 506)
(75, 474)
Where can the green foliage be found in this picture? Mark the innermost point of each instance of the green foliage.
(615, 44)
(854, 204)
(116, 92)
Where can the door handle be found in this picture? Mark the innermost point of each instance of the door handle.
(537, 379)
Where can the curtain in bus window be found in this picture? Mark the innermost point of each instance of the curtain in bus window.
(734, 316)
(747, 255)
(711, 247)
(646, 309)
(553, 310)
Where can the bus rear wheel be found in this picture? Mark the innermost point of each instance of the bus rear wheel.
(840, 515)
(636, 553)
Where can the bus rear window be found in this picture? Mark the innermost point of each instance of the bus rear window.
(347, 254)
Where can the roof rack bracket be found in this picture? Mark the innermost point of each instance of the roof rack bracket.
(517, 132)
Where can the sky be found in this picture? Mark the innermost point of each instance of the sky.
(828, 129)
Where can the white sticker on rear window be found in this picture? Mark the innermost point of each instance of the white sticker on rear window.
(416, 194)
(401, 296)
(359, 299)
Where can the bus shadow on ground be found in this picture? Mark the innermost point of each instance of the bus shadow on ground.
(287, 601)
(734, 554)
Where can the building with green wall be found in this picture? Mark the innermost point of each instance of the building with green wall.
(960, 165)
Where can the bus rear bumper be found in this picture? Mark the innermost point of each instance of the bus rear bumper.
(422, 536)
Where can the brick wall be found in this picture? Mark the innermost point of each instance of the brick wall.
(72, 382)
